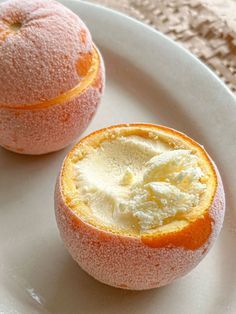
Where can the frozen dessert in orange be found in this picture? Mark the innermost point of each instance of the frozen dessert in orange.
(51, 76)
(138, 205)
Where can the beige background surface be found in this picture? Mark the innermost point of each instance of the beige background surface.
(206, 27)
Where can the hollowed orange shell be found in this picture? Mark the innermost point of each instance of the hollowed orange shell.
(130, 261)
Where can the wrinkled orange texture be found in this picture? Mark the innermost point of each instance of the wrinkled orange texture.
(84, 63)
(89, 79)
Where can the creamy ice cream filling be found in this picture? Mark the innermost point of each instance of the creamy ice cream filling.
(138, 183)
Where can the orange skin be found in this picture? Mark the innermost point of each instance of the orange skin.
(51, 76)
(40, 129)
(132, 262)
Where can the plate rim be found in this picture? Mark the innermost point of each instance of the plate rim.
(160, 34)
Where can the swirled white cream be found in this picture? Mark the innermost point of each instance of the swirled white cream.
(134, 182)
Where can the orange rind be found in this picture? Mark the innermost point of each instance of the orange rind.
(128, 256)
(51, 76)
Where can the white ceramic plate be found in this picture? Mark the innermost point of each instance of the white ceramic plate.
(149, 79)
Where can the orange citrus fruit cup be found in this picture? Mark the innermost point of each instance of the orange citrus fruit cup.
(51, 76)
(138, 205)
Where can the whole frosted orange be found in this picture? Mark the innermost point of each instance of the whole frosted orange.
(51, 76)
